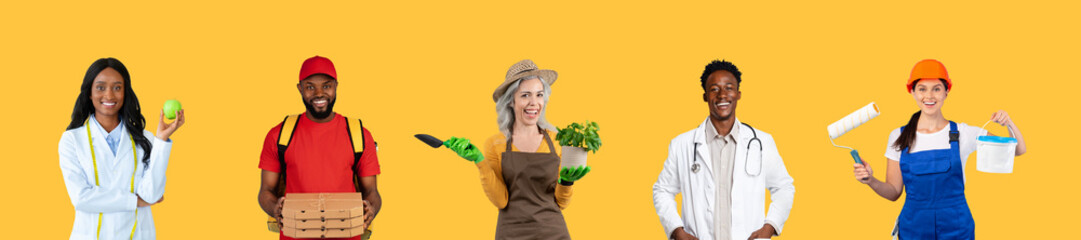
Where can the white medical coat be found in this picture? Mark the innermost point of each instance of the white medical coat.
(113, 197)
(748, 190)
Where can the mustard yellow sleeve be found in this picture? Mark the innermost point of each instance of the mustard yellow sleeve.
(491, 171)
(563, 193)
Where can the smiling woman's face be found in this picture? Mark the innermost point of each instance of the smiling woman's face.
(107, 93)
(529, 102)
(930, 94)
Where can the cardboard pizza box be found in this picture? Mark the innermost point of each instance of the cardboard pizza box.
(322, 233)
(323, 223)
(323, 215)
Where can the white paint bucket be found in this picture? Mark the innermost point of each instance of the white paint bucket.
(994, 154)
(573, 157)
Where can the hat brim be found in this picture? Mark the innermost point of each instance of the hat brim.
(549, 76)
(912, 82)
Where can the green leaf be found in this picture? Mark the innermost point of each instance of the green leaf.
(583, 135)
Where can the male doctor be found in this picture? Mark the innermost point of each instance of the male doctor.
(723, 168)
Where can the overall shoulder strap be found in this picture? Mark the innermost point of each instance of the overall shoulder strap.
(955, 135)
(903, 151)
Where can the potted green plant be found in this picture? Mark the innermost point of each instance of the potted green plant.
(578, 139)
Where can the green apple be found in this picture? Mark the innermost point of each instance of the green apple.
(170, 108)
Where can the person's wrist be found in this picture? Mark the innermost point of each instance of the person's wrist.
(769, 229)
(679, 233)
(565, 182)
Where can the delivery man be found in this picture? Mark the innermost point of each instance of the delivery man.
(723, 168)
(319, 151)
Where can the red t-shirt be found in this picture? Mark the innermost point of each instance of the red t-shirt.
(319, 157)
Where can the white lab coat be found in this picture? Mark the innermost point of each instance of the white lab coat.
(113, 197)
(748, 192)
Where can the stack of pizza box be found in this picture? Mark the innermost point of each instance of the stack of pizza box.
(323, 215)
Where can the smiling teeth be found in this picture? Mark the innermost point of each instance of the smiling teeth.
(108, 104)
(723, 104)
(929, 103)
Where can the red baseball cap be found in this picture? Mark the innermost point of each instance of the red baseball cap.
(317, 65)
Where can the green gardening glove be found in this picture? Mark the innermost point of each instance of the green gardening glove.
(464, 149)
(568, 175)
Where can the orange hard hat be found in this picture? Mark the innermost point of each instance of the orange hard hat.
(928, 69)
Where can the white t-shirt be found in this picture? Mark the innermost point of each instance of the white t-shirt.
(938, 140)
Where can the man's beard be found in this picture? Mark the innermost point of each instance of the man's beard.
(320, 115)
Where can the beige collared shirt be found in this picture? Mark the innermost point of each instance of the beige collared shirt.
(722, 150)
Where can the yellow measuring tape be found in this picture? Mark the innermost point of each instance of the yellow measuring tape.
(94, 157)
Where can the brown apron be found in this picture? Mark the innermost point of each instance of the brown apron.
(531, 211)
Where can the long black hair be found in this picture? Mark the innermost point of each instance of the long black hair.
(130, 111)
(908, 134)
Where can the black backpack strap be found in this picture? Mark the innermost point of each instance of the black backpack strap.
(355, 129)
(285, 136)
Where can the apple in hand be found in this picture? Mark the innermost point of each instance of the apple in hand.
(170, 108)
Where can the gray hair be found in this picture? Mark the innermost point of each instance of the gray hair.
(504, 107)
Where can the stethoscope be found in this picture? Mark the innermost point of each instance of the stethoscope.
(746, 159)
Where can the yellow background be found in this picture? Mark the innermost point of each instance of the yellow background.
(410, 67)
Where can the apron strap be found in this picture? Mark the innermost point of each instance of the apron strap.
(510, 140)
(551, 148)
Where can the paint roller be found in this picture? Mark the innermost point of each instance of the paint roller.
(853, 120)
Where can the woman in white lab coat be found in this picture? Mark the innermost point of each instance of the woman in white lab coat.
(113, 169)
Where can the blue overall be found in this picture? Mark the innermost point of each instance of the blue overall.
(935, 205)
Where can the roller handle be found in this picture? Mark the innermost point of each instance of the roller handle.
(856, 156)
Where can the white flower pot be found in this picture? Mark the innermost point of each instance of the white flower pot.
(573, 157)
